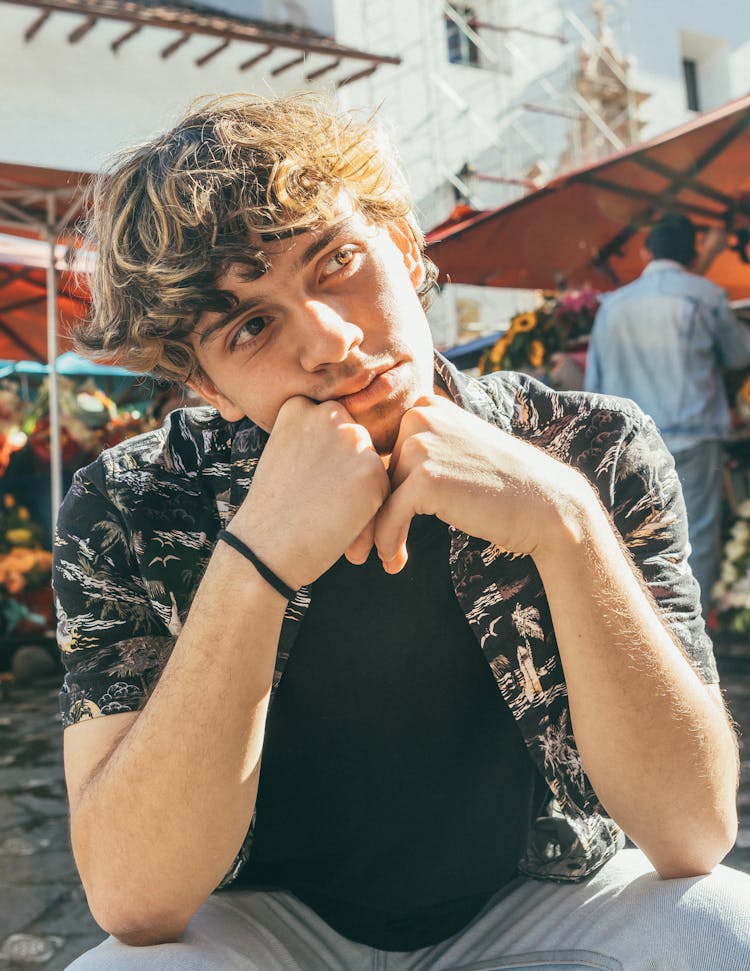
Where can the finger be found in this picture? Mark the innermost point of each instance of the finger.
(398, 562)
(392, 528)
(408, 428)
(425, 401)
(399, 444)
(415, 451)
(400, 467)
(419, 425)
(359, 550)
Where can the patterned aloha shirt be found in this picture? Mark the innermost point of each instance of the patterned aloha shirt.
(138, 526)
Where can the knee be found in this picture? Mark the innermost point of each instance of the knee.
(111, 955)
(708, 919)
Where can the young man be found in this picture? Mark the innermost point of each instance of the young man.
(446, 624)
(664, 340)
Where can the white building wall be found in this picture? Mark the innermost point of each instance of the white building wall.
(740, 68)
(716, 35)
(444, 115)
(73, 105)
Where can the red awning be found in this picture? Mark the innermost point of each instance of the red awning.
(37, 203)
(23, 312)
(589, 226)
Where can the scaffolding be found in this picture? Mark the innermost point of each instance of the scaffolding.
(551, 90)
(572, 101)
(493, 98)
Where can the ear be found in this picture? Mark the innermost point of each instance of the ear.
(228, 410)
(402, 237)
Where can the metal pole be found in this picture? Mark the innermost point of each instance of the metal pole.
(55, 446)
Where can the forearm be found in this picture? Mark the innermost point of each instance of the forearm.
(656, 745)
(158, 814)
(158, 824)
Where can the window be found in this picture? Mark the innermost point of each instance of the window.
(706, 70)
(461, 48)
(690, 70)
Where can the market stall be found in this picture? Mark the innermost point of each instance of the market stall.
(40, 204)
(587, 228)
(98, 406)
(57, 411)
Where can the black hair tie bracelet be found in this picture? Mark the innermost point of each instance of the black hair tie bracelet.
(268, 575)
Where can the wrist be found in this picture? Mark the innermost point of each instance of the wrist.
(243, 579)
(269, 542)
(266, 547)
(573, 516)
(262, 568)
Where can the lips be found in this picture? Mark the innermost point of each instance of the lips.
(360, 383)
(370, 387)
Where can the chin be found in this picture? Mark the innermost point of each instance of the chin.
(383, 422)
(384, 433)
(384, 442)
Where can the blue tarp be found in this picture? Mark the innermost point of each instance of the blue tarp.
(69, 364)
(466, 356)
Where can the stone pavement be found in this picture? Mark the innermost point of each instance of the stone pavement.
(44, 921)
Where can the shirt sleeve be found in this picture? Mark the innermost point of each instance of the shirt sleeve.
(731, 336)
(592, 380)
(113, 644)
(649, 512)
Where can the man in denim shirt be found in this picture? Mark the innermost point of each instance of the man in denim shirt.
(664, 341)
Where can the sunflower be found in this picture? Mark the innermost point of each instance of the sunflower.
(523, 322)
(537, 353)
(492, 360)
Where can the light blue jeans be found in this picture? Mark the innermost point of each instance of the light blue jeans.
(700, 470)
(624, 918)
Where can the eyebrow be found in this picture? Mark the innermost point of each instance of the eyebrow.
(221, 322)
(307, 256)
(319, 244)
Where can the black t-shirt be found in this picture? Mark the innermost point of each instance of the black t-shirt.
(396, 791)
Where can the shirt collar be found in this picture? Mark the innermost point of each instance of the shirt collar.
(656, 266)
(491, 401)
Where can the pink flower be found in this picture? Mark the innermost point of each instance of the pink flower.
(578, 300)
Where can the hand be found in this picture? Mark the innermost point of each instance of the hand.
(453, 465)
(715, 240)
(317, 487)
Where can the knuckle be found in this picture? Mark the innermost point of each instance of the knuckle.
(413, 420)
(415, 448)
(331, 410)
(360, 435)
(295, 405)
(428, 473)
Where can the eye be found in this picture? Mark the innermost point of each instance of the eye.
(343, 257)
(247, 332)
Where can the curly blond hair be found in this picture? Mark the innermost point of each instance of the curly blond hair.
(168, 218)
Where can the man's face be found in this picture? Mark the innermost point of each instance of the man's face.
(336, 316)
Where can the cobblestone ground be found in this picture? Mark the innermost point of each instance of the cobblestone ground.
(44, 921)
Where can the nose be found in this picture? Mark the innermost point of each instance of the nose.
(326, 336)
